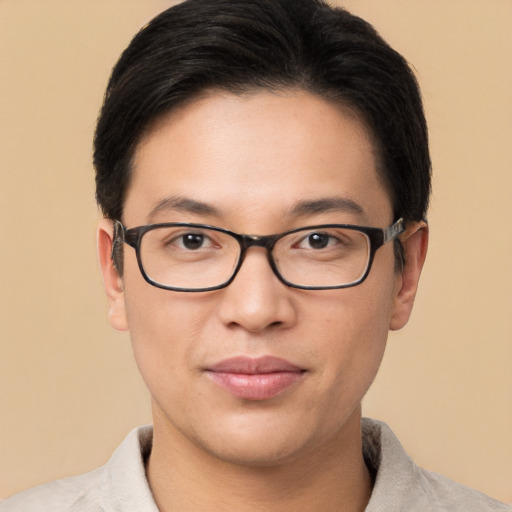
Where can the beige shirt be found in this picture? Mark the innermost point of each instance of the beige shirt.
(121, 486)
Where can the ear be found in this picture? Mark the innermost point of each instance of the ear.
(112, 281)
(415, 243)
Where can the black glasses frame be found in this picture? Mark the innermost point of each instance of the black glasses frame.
(377, 236)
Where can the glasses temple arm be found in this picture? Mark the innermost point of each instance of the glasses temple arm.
(393, 231)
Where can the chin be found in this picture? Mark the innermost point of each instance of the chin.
(266, 452)
(261, 443)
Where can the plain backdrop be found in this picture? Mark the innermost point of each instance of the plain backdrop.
(69, 389)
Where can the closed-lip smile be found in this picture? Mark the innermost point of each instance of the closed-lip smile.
(251, 378)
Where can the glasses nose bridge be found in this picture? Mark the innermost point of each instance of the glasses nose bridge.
(267, 242)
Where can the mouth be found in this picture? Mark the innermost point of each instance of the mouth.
(259, 378)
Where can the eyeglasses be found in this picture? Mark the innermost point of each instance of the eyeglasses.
(188, 257)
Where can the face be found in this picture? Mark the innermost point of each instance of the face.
(244, 163)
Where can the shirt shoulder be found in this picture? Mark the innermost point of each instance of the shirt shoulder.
(446, 495)
(78, 493)
(401, 485)
(119, 485)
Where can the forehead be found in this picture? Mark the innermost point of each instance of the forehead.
(244, 154)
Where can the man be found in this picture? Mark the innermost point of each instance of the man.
(264, 174)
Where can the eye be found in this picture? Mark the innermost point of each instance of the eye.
(172, 239)
(191, 241)
(317, 240)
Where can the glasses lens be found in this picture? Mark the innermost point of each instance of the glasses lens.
(188, 257)
(324, 257)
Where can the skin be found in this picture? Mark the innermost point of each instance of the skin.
(252, 158)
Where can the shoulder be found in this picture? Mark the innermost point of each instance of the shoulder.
(401, 485)
(78, 493)
(120, 484)
(445, 494)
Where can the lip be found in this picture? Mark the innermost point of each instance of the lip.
(259, 378)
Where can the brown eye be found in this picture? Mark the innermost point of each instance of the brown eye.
(192, 241)
(318, 240)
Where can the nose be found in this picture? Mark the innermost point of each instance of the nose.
(256, 300)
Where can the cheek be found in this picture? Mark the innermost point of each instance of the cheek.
(351, 338)
(163, 326)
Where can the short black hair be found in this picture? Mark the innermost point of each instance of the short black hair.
(245, 45)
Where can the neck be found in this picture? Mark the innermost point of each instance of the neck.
(333, 477)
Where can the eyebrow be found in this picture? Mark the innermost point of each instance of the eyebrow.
(301, 209)
(325, 205)
(182, 204)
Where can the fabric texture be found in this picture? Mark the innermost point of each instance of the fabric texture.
(121, 485)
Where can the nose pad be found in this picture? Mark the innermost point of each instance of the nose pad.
(256, 299)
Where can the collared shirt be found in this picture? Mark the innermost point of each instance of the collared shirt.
(121, 484)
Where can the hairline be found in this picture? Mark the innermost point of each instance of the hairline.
(342, 105)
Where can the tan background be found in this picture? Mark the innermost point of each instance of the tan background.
(69, 390)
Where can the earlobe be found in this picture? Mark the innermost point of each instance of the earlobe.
(112, 281)
(415, 243)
